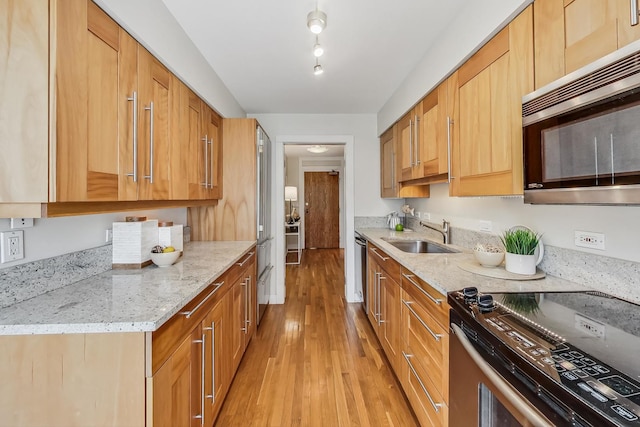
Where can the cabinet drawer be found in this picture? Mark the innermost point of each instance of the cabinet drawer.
(427, 341)
(426, 401)
(431, 300)
(387, 263)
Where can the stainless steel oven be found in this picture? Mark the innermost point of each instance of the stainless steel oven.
(543, 359)
(361, 268)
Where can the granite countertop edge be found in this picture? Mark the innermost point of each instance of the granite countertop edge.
(442, 271)
(139, 300)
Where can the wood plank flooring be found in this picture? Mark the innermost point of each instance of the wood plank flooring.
(315, 360)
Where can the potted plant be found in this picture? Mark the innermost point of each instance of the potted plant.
(520, 245)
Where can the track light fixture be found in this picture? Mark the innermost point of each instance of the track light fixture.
(318, 50)
(316, 21)
(317, 69)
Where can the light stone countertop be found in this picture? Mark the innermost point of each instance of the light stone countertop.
(441, 270)
(138, 300)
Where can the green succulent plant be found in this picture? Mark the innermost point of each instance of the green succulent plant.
(520, 241)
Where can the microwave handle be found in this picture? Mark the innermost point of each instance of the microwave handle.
(634, 12)
(498, 382)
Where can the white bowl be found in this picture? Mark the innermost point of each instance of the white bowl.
(165, 259)
(489, 259)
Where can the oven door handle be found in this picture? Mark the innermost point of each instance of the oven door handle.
(496, 380)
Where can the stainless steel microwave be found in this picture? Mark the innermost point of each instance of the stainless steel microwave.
(581, 135)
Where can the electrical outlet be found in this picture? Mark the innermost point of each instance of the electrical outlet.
(21, 223)
(108, 235)
(426, 216)
(486, 226)
(591, 327)
(418, 215)
(588, 239)
(11, 246)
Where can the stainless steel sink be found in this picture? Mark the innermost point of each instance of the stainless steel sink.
(420, 246)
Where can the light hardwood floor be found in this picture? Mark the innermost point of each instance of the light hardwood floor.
(315, 360)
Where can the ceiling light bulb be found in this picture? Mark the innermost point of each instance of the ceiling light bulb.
(317, 69)
(316, 21)
(317, 149)
(317, 50)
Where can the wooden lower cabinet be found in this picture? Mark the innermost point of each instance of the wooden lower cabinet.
(411, 320)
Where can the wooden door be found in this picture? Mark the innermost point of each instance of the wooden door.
(96, 65)
(390, 308)
(388, 178)
(405, 146)
(322, 210)
(157, 89)
(487, 137)
(238, 317)
(372, 289)
(433, 124)
(187, 150)
(24, 109)
(627, 33)
(176, 385)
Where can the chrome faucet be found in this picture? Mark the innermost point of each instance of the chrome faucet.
(445, 231)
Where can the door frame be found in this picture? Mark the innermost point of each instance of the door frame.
(278, 291)
(301, 170)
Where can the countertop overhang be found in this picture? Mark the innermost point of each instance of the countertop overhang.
(442, 272)
(138, 300)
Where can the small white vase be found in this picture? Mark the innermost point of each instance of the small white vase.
(520, 264)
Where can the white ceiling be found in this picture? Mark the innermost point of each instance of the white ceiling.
(262, 50)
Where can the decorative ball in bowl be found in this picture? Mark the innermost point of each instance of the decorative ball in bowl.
(165, 257)
(488, 255)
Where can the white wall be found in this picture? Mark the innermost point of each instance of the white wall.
(150, 22)
(51, 237)
(476, 23)
(366, 155)
(557, 223)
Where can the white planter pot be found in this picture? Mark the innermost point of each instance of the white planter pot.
(520, 264)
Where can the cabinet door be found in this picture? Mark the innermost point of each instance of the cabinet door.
(24, 110)
(590, 31)
(95, 75)
(213, 129)
(177, 386)
(406, 134)
(548, 31)
(372, 290)
(157, 89)
(433, 133)
(216, 380)
(389, 333)
(388, 179)
(627, 33)
(487, 140)
(238, 325)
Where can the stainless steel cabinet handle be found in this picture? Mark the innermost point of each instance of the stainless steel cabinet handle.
(436, 406)
(449, 124)
(409, 278)
(212, 328)
(376, 296)
(613, 167)
(244, 316)
(188, 314)
(245, 260)
(433, 334)
(150, 110)
(211, 164)
(496, 380)
(205, 140)
(634, 12)
(201, 415)
(247, 319)
(134, 99)
(393, 171)
(375, 251)
(416, 129)
(380, 279)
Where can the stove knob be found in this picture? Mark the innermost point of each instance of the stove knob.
(485, 304)
(470, 294)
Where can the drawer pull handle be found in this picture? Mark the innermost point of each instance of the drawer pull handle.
(436, 406)
(409, 278)
(188, 314)
(249, 255)
(433, 334)
(375, 251)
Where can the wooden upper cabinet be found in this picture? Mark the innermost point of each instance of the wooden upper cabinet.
(212, 128)
(433, 134)
(95, 74)
(487, 132)
(23, 106)
(570, 34)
